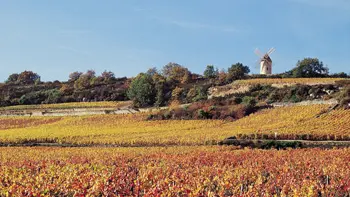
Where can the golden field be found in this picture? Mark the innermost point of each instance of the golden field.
(134, 130)
(287, 122)
(173, 171)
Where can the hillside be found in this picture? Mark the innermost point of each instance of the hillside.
(299, 122)
(61, 92)
(242, 86)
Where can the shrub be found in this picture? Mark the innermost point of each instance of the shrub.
(249, 101)
(203, 114)
(344, 98)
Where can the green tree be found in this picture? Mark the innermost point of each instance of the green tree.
(159, 94)
(210, 72)
(310, 67)
(142, 90)
(160, 88)
(237, 71)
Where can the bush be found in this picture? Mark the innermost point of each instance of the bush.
(218, 108)
(197, 93)
(53, 96)
(344, 98)
(249, 101)
(39, 97)
(203, 114)
(237, 100)
(345, 103)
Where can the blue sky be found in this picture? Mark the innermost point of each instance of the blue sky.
(54, 38)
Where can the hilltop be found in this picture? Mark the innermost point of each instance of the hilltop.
(214, 94)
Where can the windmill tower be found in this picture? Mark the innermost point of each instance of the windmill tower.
(265, 61)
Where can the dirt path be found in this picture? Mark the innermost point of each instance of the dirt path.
(310, 102)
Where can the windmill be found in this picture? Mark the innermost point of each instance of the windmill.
(265, 61)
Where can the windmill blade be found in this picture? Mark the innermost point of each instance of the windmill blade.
(271, 51)
(258, 53)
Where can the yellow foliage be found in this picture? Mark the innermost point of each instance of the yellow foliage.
(134, 130)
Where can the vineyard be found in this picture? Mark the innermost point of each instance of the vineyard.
(175, 98)
(298, 122)
(288, 81)
(174, 157)
(121, 130)
(312, 122)
(177, 171)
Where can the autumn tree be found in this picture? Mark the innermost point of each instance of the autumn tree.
(222, 77)
(176, 72)
(28, 78)
(85, 80)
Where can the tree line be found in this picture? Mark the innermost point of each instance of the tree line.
(173, 83)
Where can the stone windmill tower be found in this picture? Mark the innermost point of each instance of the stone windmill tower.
(265, 61)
